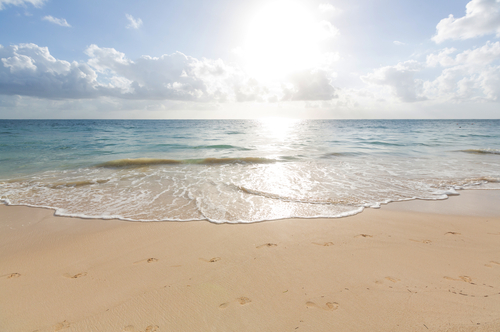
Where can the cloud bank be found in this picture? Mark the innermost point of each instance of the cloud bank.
(30, 70)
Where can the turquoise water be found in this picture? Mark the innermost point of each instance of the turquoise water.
(241, 170)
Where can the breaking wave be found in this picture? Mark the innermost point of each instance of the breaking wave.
(142, 162)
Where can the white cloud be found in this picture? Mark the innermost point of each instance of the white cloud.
(326, 7)
(175, 76)
(250, 90)
(134, 23)
(36, 3)
(482, 17)
(400, 79)
(30, 70)
(442, 58)
(473, 74)
(309, 85)
(398, 43)
(59, 21)
(480, 56)
(327, 30)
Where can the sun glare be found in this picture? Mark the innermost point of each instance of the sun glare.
(283, 37)
(278, 128)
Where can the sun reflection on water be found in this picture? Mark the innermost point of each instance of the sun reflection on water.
(279, 129)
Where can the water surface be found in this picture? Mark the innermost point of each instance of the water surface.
(240, 170)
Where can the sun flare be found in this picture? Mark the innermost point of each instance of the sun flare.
(278, 128)
(283, 37)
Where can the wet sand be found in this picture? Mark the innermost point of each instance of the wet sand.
(409, 266)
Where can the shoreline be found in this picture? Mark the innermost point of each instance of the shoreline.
(411, 204)
(409, 266)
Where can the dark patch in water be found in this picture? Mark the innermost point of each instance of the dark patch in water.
(142, 162)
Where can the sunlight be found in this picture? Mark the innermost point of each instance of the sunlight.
(278, 128)
(283, 37)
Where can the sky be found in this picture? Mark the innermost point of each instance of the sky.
(331, 59)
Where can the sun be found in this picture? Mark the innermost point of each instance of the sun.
(282, 37)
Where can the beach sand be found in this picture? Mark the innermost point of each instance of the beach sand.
(409, 266)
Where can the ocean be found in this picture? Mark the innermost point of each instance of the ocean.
(241, 171)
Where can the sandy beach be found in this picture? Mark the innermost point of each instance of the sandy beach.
(409, 266)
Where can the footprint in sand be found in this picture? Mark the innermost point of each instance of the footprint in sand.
(330, 306)
(364, 235)
(392, 279)
(241, 300)
(492, 263)
(13, 275)
(466, 279)
(224, 305)
(211, 260)
(324, 244)
(267, 245)
(148, 260)
(452, 233)
(460, 278)
(422, 241)
(78, 275)
(150, 328)
(62, 325)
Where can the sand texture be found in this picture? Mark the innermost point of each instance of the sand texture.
(404, 267)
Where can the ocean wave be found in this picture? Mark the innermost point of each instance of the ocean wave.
(481, 151)
(474, 181)
(141, 162)
(58, 185)
(221, 147)
(340, 154)
(328, 201)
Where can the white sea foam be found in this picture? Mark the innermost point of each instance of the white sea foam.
(234, 192)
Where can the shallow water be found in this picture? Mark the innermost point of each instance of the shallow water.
(241, 170)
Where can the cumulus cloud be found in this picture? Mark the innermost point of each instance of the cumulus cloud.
(250, 90)
(36, 3)
(133, 23)
(482, 17)
(175, 76)
(473, 74)
(30, 70)
(59, 21)
(479, 56)
(309, 85)
(400, 79)
(441, 58)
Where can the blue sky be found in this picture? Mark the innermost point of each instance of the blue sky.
(247, 59)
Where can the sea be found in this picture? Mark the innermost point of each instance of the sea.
(241, 171)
